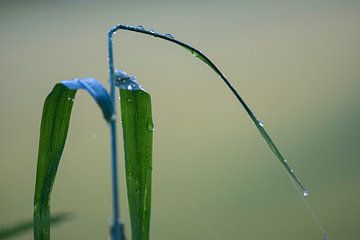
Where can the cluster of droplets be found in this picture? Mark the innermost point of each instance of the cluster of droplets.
(124, 81)
(152, 31)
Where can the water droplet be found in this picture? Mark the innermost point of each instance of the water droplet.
(129, 87)
(169, 35)
(129, 100)
(325, 237)
(70, 99)
(291, 170)
(147, 154)
(113, 117)
(194, 53)
(150, 126)
(261, 123)
(285, 160)
(140, 27)
(306, 193)
(152, 31)
(148, 148)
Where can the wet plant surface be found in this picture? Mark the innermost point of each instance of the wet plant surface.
(293, 63)
(137, 123)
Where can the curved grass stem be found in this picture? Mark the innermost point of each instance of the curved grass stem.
(259, 125)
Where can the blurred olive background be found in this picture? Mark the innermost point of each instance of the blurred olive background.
(297, 63)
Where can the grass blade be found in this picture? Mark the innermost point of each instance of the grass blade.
(206, 60)
(96, 90)
(138, 135)
(53, 131)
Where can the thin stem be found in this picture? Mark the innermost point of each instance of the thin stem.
(116, 231)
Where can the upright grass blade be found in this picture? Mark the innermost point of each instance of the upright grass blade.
(138, 135)
(206, 60)
(53, 131)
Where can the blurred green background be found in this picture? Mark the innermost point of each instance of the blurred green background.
(297, 63)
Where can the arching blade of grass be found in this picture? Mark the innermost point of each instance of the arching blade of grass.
(53, 131)
(138, 135)
(21, 227)
(206, 60)
(97, 91)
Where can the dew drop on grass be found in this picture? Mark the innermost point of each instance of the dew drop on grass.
(306, 193)
(129, 87)
(169, 35)
(129, 100)
(261, 123)
(140, 27)
(150, 126)
(194, 53)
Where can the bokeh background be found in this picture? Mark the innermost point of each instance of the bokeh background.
(297, 63)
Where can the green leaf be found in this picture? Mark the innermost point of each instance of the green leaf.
(138, 135)
(53, 131)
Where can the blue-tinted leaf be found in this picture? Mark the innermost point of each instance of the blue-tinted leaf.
(96, 90)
